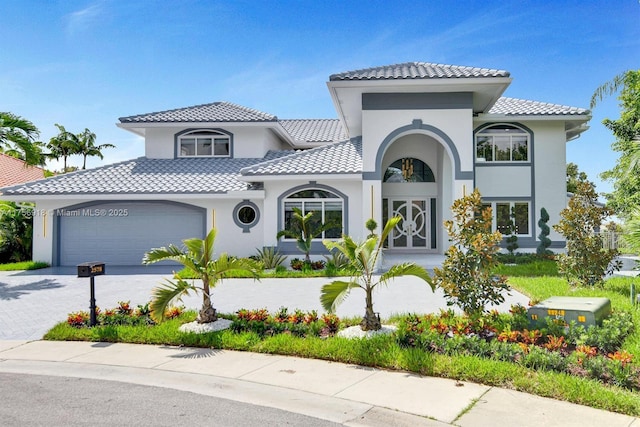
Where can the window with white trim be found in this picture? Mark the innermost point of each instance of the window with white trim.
(326, 206)
(204, 143)
(502, 143)
(505, 212)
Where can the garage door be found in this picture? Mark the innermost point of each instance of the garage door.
(120, 233)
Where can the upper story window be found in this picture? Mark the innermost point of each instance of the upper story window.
(409, 170)
(502, 143)
(204, 143)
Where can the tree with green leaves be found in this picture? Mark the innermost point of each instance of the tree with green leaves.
(86, 146)
(16, 232)
(198, 259)
(585, 262)
(574, 175)
(465, 276)
(18, 139)
(304, 228)
(363, 259)
(625, 175)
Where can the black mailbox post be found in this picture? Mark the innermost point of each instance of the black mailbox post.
(91, 269)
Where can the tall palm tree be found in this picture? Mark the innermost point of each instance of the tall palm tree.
(197, 257)
(363, 258)
(18, 139)
(86, 146)
(64, 144)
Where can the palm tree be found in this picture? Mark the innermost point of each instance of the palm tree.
(18, 139)
(363, 258)
(86, 146)
(304, 230)
(63, 145)
(198, 259)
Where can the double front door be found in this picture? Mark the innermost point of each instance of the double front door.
(414, 231)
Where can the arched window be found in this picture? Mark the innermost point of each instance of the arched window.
(204, 143)
(326, 206)
(502, 143)
(409, 170)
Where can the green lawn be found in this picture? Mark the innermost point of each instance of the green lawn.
(24, 265)
(385, 352)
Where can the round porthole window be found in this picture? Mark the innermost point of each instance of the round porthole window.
(246, 215)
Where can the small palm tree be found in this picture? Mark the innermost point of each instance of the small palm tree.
(198, 259)
(304, 230)
(363, 258)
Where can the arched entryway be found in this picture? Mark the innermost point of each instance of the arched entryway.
(412, 186)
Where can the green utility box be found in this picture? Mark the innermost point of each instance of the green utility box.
(584, 311)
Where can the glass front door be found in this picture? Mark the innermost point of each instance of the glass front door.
(412, 232)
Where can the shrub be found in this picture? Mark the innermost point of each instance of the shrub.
(586, 262)
(270, 257)
(545, 242)
(465, 276)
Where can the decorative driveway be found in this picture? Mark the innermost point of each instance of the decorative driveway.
(32, 302)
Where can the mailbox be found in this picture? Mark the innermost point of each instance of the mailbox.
(90, 269)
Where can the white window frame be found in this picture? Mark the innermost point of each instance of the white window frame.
(493, 132)
(512, 203)
(304, 201)
(204, 134)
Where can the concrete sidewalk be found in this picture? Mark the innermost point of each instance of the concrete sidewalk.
(347, 394)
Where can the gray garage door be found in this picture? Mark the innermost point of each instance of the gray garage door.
(120, 233)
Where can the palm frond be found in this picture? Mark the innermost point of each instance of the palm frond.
(407, 269)
(226, 266)
(164, 294)
(171, 252)
(334, 293)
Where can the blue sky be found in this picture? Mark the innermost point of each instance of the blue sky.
(86, 63)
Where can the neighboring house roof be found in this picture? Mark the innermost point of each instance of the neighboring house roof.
(15, 171)
(339, 158)
(314, 130)
(418, 70)
(149, 176)
(523, 107)
(213, 112)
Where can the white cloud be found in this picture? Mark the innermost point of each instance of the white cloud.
(82, 19)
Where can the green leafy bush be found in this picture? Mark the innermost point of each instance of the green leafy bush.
(465, 276)
(586, 262)
(270, 257)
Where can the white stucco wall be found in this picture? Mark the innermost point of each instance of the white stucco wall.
(550, 172)
(456, 124)
(504, 180)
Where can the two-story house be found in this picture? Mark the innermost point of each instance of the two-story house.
(409, 139)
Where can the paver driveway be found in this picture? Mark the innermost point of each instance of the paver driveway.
(32, 302)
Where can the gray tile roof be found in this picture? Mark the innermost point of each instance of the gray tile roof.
(339, 158)
(418, 70)
(214, 112)
(148, 176)
(518, 107)
(315, 130)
